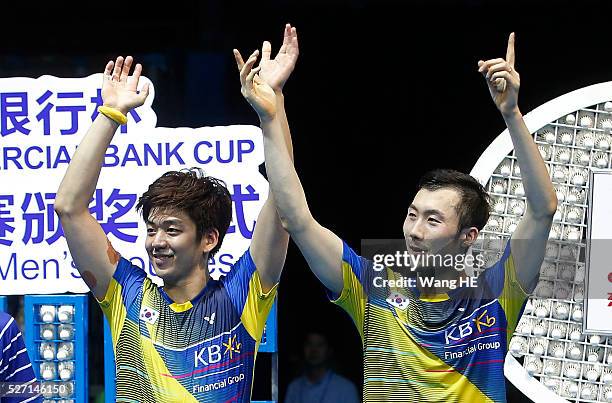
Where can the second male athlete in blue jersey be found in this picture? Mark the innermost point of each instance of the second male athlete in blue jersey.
(427, 342)
(440, 347)
(194, 339)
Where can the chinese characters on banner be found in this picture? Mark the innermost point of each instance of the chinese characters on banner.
(43, 120)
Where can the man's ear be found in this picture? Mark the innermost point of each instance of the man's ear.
(210, 239)
(469, 236)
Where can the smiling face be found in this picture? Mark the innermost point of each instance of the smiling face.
(432, 223)
(174, 248)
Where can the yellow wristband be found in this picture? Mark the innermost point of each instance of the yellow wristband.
(113, 114)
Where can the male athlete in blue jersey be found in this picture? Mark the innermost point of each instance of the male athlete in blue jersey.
(194, 339)
(426, 342)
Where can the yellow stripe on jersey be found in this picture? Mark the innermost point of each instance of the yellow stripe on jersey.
(398, 369)
(352, 299)
(256, 307)
(165, 388)
(113, 308)
(512, 297)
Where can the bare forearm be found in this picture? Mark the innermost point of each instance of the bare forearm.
(272, 217)
(285, 184)
(80, 180)
(321, 247)
(538, 187)
(282, 116)
(270, 240)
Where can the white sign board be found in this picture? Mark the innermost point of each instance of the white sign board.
(598, 295)
(43, 120)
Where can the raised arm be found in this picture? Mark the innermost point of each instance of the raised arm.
(92, 252)
(528, 242)
(321, 248)
(270, 240)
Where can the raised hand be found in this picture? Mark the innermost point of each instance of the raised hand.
(256, 91)
(119, 89)
(275, 72)
(503, 80)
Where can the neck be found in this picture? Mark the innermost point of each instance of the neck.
(445, 280)
(187, 288)
(315, 374)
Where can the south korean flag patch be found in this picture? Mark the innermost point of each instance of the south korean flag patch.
(398, 300)
(149, 315)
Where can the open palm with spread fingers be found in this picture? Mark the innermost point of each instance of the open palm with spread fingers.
(119, 89)
(256, 91)
(275, 72)
(502, 78)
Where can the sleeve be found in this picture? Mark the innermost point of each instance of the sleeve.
(123, 289)
(504, 285)
(356, 276)
(15, 365)
(243, 286)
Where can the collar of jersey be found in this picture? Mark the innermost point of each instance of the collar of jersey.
(435, 297)
(187, 305)
(441, 297)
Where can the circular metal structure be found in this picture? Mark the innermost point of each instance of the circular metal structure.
(549, 358)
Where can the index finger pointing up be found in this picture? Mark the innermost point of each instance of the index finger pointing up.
(510, 50)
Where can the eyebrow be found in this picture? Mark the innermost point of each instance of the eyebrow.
(429, 211)
(166, 222)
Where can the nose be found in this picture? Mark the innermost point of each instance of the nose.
(159, 240)
(416, 230)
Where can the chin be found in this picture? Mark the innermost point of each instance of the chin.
(163, 273)
(425, 271)
(168, 278)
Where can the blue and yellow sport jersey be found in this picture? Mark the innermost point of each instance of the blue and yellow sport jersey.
(445, 349)
(198, 351)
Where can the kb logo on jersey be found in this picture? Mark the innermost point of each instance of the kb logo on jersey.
(465, 329)
(488, 321)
